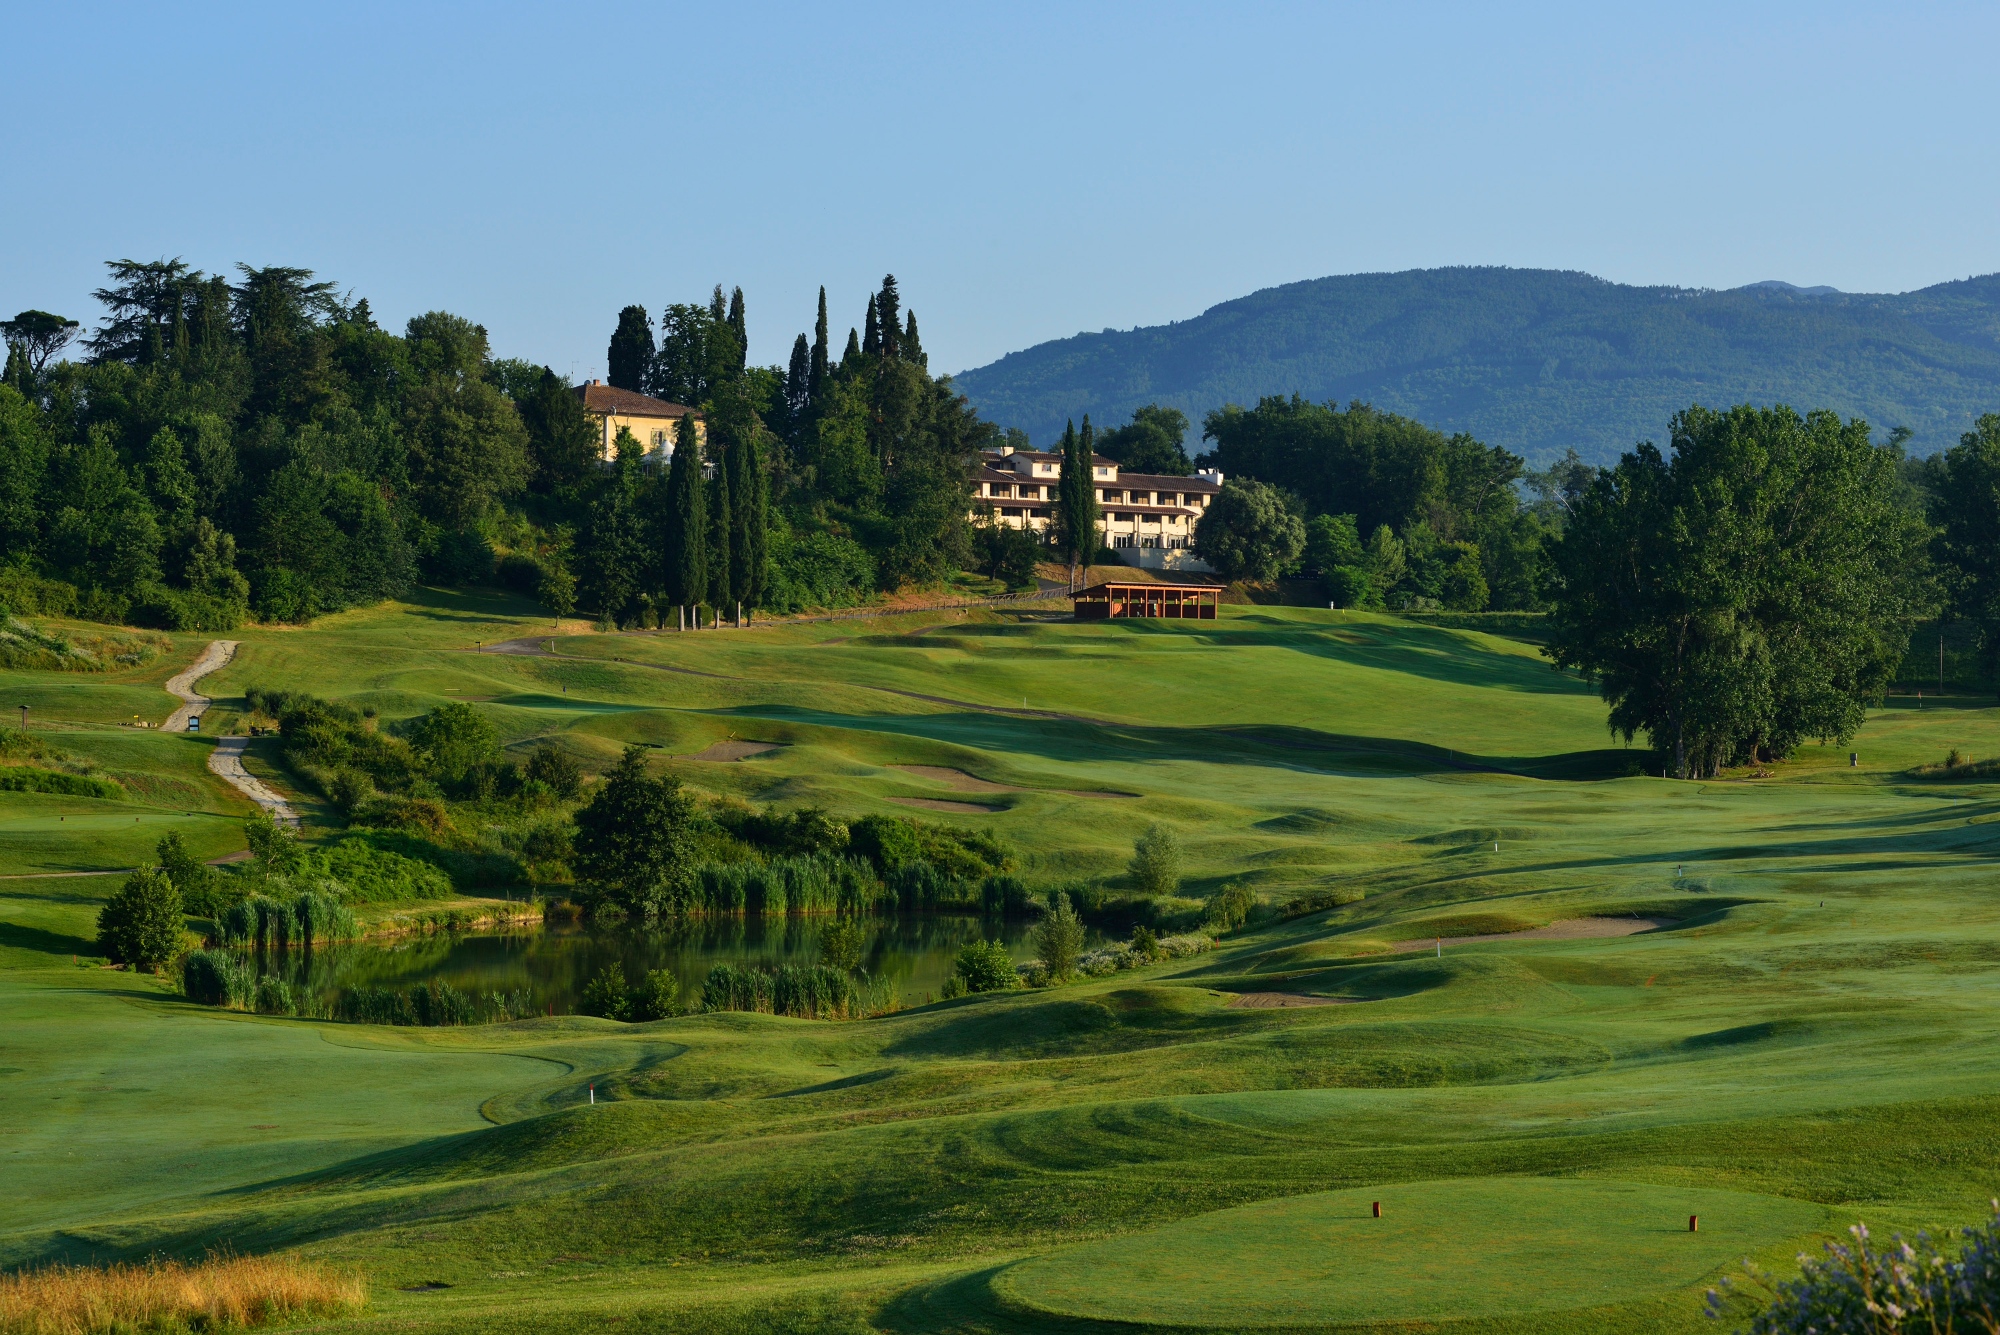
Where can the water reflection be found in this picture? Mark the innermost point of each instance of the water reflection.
(555, 964)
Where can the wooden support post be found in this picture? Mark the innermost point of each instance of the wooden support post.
(1378, 1209)
(1694, 1222)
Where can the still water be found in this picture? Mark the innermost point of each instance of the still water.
(554, 964)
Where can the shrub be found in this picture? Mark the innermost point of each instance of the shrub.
(1317, 901)
(1229, 907)
(376, 875)
(29, 779)
(810, 992)
(1155, 868)
(1059, 938)
(841, 943)
(141, 923)
(606, 995)
(657, 997)
(635, 841)
(197, 881)
(984, 966)
(274, 996)
(556, 769)
(1145, 943)
(1005, 896)
(1902, 1289)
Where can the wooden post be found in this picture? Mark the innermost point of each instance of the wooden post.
(1694, 1222)
(1378, 1209)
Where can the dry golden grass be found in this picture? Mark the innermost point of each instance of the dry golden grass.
(221, 1293)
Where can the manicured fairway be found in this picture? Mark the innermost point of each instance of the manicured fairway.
(1468, 1247)
(1814, 1040)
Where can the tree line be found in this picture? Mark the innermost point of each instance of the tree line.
(257, 445)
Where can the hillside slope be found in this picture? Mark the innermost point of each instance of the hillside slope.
(1531, 359)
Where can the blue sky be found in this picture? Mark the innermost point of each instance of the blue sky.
(1026, 170)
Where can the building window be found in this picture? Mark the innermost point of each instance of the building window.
(1011, 512)
(1039, 513)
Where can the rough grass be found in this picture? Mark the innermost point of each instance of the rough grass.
(217, 1294)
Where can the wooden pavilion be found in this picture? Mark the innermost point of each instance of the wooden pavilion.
(1103, 601)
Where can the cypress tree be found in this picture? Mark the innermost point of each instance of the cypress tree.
(1086, 489)
(629, 360)
(746, 522)
(742, 329)
(798, 378)
(718, 308)
(853, 349)
(888, 310)
(687, 520)
(758, 577)
(721, 525)
(871, 332)
(913, 348)
(816, 380)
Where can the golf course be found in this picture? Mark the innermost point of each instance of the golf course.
(1540, 1004)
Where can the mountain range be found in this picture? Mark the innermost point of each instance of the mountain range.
(1535, 360)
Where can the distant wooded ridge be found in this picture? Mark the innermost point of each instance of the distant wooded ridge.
(1534, 360)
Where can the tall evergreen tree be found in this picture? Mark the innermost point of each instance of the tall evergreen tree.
(718, 306)
(686, 529)
(853, 349)
(721, 523)
(888, 311)
(913, 348)
(737, 322)
(871, 331)
(816, 378)
(1076, 491)
(629, 360)
(798, 377)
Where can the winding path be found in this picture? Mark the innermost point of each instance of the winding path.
(226, 760)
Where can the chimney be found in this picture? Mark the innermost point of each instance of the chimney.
(1210, 475)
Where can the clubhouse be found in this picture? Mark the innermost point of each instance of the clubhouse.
(1148, 518)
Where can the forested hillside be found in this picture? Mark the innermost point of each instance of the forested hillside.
(1533, 361)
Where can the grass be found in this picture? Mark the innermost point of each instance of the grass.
(1814, 1042)
(220, 1293)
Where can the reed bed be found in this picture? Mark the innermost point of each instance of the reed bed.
(220, 1293)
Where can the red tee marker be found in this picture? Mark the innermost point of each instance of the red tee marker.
(1694, 1222)
(1378, 1209)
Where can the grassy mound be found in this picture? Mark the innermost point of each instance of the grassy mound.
(1474, 1247)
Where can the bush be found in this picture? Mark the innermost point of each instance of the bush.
(841, 943)
(141, 924)
(1902, 1289)
(29, 779)
(274, 996)
(1317, 901)
(375, 875)
(1059, 938)
(1156, 863)
(984, 966)
(1229, 907)
(1005, 896)
(556, 770)
(657, 997)
(606, 995)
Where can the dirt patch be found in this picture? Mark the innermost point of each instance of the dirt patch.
(955, 778)
(734, 750)
(1567, 929)
(940, 804)
(1268, 1001)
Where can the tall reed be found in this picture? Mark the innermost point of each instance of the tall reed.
(219, 1293)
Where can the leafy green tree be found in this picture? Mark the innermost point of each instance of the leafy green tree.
(686, 530)
(840, 944)
(1965, 505)
(24, 467)
(453, 739)
(1058, 938)
(38, 336)
(140, 925)
(563, 448)
(636, 840)
(193, 879)
(1157, 861)
(556, 769)
(556, 587)
(1332, 541)
(1249, 532)
(468, 447)
(614, 550)
(1754, 590)
(211, 567)
(1152, 442)
(657, 996)
(629, 359)
(699, 350)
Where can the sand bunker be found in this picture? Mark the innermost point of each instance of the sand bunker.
(940, 804)
(734, 750)
(1566, 929)
(1267, 1001)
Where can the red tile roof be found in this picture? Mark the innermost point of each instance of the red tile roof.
(607, 399)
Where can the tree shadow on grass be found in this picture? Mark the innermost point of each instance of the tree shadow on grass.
(1075, 739)
(967, 1305)
(15, 936)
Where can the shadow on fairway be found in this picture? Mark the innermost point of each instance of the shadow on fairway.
(967, 1305)
(15, 936)
(1083, 739)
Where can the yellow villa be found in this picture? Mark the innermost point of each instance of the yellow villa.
(1147, 518)
(653, 422)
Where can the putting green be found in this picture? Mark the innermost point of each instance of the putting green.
(1470, 1247)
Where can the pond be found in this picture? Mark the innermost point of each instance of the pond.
(912, 955)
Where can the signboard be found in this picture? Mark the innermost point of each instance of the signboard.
(194, 724)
